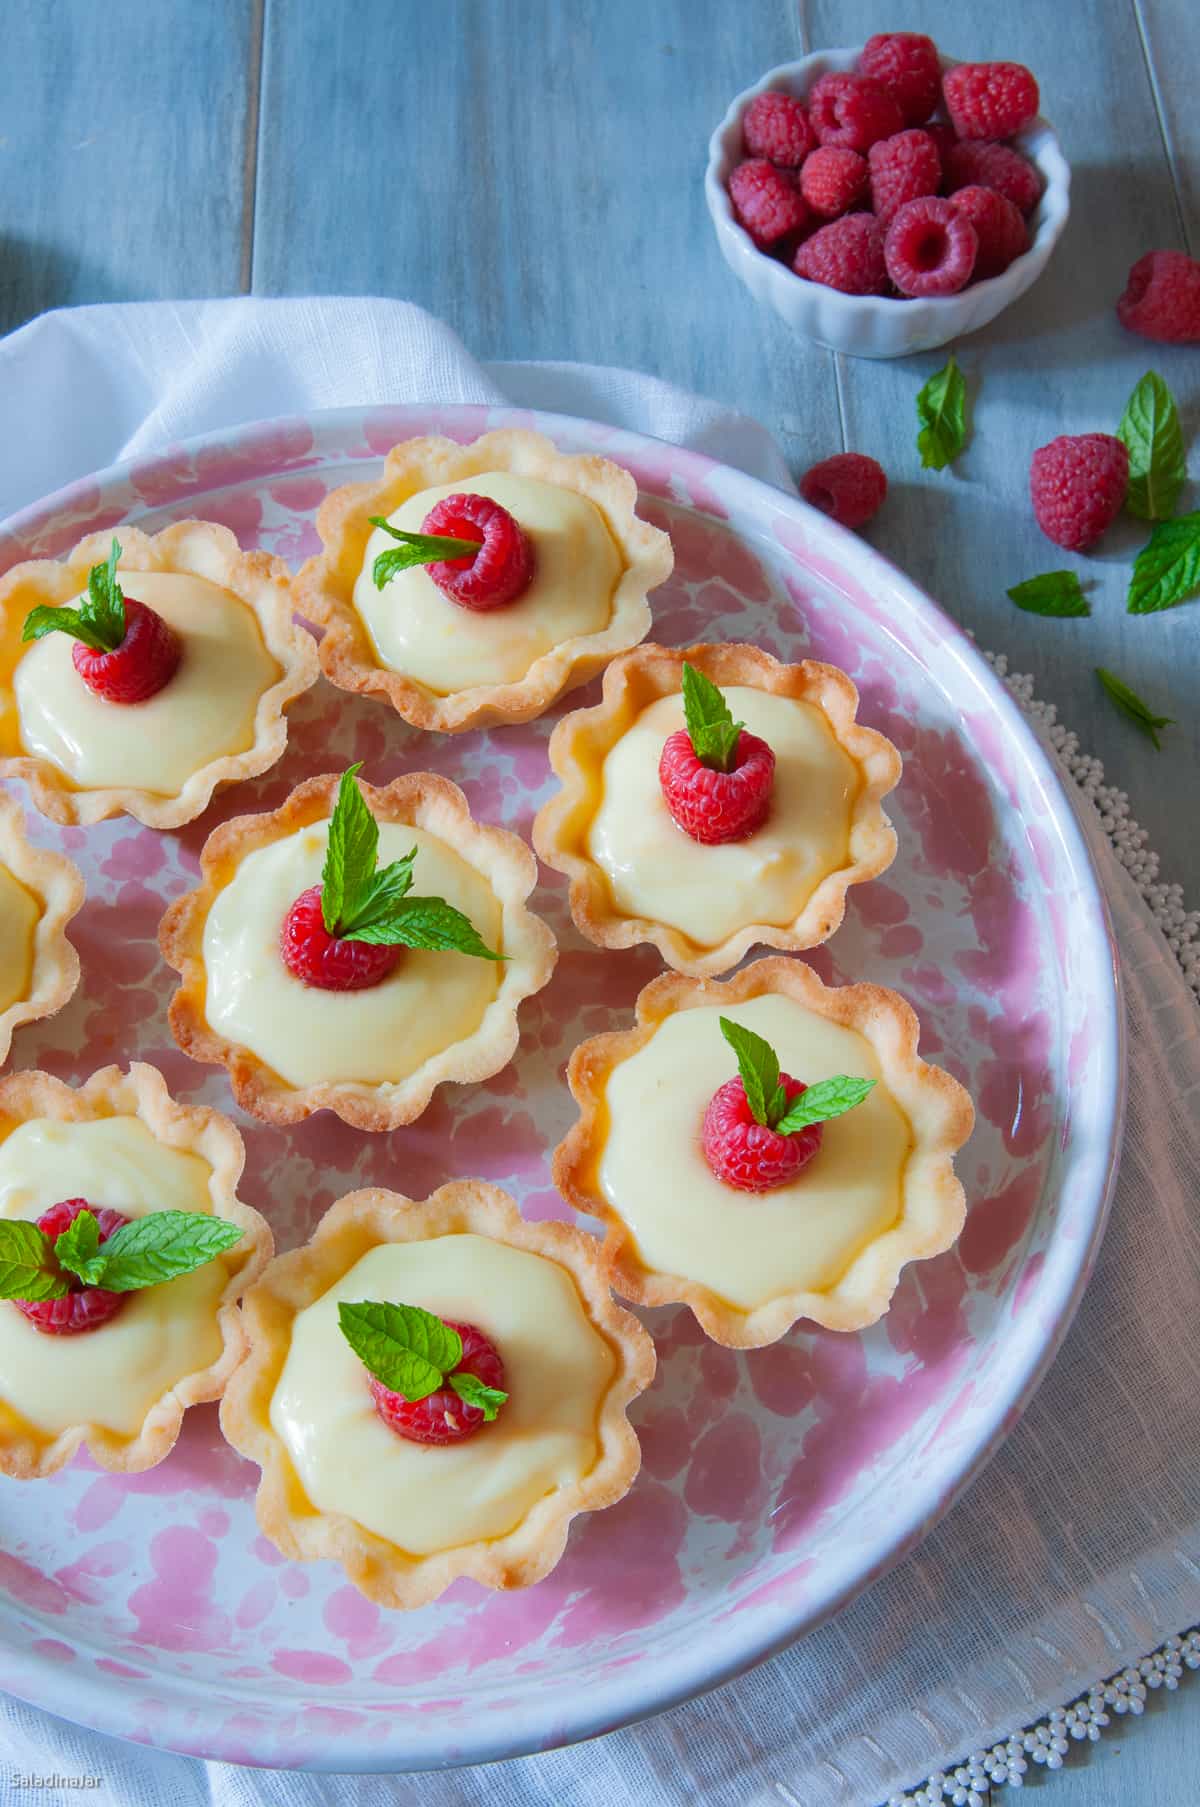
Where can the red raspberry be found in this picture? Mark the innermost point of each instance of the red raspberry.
(943, 137)
(443, 1417)
(850, 487)
(499, 572)
(145, 661)
(330, 962)
(1162, 298)
(997, 166)
(852, 110)
(998, 227)
(847, 255)
(990, 100)
(906, 64)
(744, 1152)
(903, 169)
(1077, 484)
(767, 202)
(834, 180)
(716, 806)
(776, 127)
(84, 1307)
(930, 248)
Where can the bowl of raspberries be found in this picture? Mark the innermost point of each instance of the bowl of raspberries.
(889, 199)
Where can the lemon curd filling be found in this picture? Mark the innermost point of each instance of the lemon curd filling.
(417, 630)
(372, 1037)
(110, 1376)
(206, 711)
(19, 917)
(656, 871)
(749, 1248)
(423, 1499)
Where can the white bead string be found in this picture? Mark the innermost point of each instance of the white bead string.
(1005, 1765)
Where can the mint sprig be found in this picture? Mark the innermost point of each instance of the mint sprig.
(1057, 593)
(415, 549)
(758, 1067)
(710, 725)
(1133, 708)
(942, 413)
(99, 621)
(360, 904)
(1167, 569)
(412, 1352)
(144, 1252)
(1152, 436)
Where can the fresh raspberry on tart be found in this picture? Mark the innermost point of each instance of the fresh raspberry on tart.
(716, 778)
(433, 1379)
(124, 651)
(476, 552)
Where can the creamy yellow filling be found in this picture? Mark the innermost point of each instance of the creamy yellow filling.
(417, 630)
(749, 1247)
(205, 712)
(19, 916)
(424, 1498)
(371, 1037)
(113, 1375)
(658, 872)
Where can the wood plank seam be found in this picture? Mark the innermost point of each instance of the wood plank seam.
(1164, 128)
(250, 163)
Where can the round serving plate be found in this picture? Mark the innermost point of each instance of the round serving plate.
(776, 1482)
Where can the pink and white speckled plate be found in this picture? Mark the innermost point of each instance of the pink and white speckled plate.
(775, 1483)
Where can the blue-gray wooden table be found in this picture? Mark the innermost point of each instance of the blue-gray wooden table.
(531, 171)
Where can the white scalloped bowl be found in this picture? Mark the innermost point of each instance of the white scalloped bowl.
(876, 326)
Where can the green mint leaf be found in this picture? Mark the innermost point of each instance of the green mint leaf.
(99, 621)
(1167, 569)
(828, 1098)
(158, 1247)
(473, 1391)
(43, 620)
(758, 1067)
(428, 922)
(381, 897)
(1056, 593)
(1133, 708)
(1150, 429)
(409, 1350)
(78, 1247)
(415, 549)
(711, 728)
(350, 855)
(942, 412)
(27, 1269)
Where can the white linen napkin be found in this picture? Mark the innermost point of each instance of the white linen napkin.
(1080, 1546)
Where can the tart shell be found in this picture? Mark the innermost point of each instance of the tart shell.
(581, 741)
(379, 1569)
(197, 549)
(938, 1108)
(26, 1454)
(57, 884)
(324, 588)
(431, 802)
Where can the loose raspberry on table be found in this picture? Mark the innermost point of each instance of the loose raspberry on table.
(1162, 298)
(999, 227)
(84, 1307)
(743, 1152)
(905, 63)
(775, 126)
(930, 248)
(144, 663)
(968, 164)
(833, 180)
(1077, 485)
(713, 806)
(767, 202)
(502, 569)
(852, 110)
(442, 1417)
(849, 487)
(903, 169)
(990, 100)
(330, 962)
(847, 255)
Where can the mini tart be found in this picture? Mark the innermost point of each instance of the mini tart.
(827, 1246)
(595, 564)
(372, 1056)
(39, 894)
(629, 864)
(496, 1507)
(120, 1390)
(218, 720)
